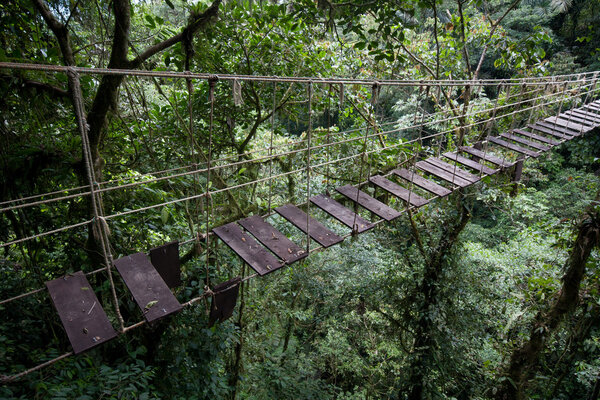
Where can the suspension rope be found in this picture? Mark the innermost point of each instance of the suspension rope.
(271, 144)
(308, 154)
(195, 171)
(289, 79)
(211, 97)
(175, 201)
(190, 302)
(99, 222)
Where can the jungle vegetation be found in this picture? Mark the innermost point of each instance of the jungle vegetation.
(491, 293)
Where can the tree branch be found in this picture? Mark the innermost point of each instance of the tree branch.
(198, 23)
(60, 31)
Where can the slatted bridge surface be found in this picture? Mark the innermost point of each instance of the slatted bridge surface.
(435, 177)
(265, 249)
(273, 242)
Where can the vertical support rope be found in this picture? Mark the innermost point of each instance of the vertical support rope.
(211, 98)
(308, 154)
(413, 166)
(562, 100)
(100, 226)
(490, 127)
(328, 171)
(518, 110)
(587, 96)
(190, 89)
(271, 145)
(364, 156)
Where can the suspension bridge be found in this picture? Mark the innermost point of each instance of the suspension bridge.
(449, 148)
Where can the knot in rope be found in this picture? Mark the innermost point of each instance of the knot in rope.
(72, 72)
(208, 291)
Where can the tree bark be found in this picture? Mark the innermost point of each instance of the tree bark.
(524, 358)
(424, 339)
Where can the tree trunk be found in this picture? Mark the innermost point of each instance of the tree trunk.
(424, 339)
(524, 358)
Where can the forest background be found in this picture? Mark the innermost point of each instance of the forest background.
(442, 303)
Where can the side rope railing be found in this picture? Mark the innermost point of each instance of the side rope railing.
(529, 97)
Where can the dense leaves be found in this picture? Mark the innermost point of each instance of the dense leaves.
(431, 306)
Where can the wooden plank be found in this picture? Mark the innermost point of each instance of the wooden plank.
(317, 231)
(248, 249)
(526, 142)
(512, 147)
(470, 163)
(373, 205)
(573, 117)
(537, 137)
(549, 131)
(575, 127)
(418, 180)
(149, 291)
(341, 213)
(593, 118)
(440, 173)
(398, 191)
(224, 300)
(557, 128)
(80, 312)
(453, 169)
(165, 259)
(487, 156)
(273, 240)
(592, 106)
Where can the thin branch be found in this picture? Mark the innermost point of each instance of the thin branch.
(201, 21)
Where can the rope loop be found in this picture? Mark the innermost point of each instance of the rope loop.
(72, 72)
(212, 79)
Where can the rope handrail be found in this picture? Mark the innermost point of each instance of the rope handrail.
(290, 79)
(372, 131)
(284, 174)
(246, 154)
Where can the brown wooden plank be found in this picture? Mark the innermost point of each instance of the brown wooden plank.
(487, 156)
(452, 169)
(526, 142)
(80, 312)
(224, 300)
(512, 146)
(248, 249)
(557, 128)
(430, 186)
(537, 137)
(586, 114)
(549, 131)
(592, 106)
(575, 127)
(592, 118)
(341, 213)
(440, 173)
(470, 163)
(165, 259)
(272, 239)
(149, 291)
(317, 231)
(373, 205)
(398, 191)
(574, 117)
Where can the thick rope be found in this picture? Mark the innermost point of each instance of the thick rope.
(308, 155)
(99, 220)
(211, 97)
(271, 144)
(290, 79)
